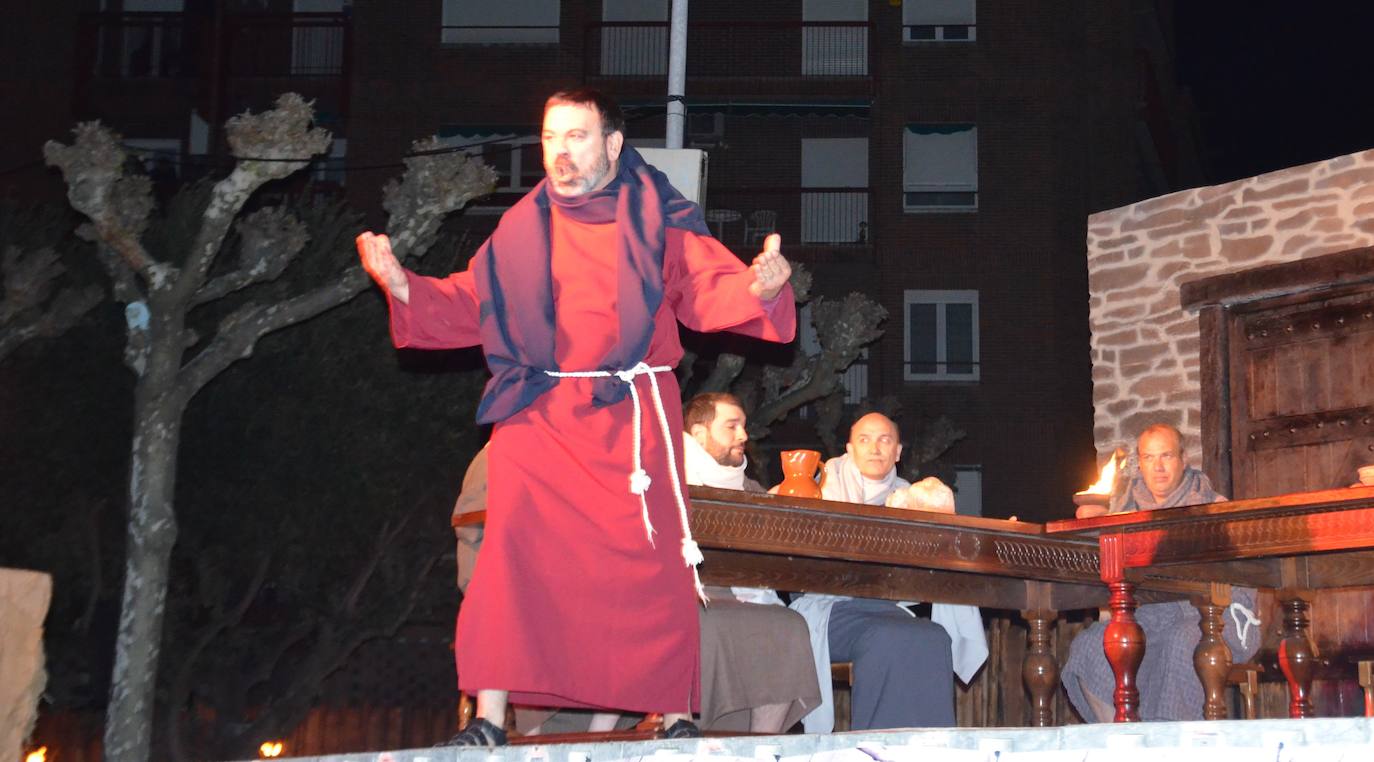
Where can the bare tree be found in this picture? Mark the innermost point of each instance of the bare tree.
(172, 362)
(843, 328)
(34, 303)
(293, 656)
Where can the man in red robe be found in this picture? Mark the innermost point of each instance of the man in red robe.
(583, 595)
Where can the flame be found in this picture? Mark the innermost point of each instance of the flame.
(37, 755)
(1107, 480)
(270, 749)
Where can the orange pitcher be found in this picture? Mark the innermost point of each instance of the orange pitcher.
(799, 473)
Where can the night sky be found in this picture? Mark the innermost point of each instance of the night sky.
(1277, 84)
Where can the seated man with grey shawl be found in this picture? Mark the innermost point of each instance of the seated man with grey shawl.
(903, 665)
(1168, 683)
(755, 654)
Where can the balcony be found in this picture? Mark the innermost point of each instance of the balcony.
(811, 57)
(134, 46)
(832, 218)
(153, 67)
(143, 66)
(271, 53)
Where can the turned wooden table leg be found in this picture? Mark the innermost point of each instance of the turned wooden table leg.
(1296, 658)
(1249, 692)
(1040, 670)
(1124, 643)
(1367, 682)
(1212, 660)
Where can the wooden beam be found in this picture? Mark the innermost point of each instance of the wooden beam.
(1328, 271)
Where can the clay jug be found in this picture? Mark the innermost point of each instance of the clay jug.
(799, 473)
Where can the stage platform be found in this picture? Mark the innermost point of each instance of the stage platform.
(1312, 740)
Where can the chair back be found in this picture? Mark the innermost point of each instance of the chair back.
(759, 225)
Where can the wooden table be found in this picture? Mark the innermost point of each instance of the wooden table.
(1293, 543)
(805, 545)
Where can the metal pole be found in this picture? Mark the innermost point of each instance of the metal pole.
(677, 75)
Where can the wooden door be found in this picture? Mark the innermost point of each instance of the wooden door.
(1301, 391)
(1287, 374)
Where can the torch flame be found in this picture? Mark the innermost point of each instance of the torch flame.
(270, 749)
(1105, 482)
(37, 755)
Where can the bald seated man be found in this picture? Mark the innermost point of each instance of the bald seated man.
(903, 668)
(1168, 682)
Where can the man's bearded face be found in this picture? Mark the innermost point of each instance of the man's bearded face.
(577, 156)
(725, 436)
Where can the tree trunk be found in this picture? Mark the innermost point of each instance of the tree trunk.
(151, 535)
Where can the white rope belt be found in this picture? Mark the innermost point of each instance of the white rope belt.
(1243, 628)
(639, 478)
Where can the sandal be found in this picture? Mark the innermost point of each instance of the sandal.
(683, 729)
(479, 732)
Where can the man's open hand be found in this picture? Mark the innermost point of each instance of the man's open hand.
(381, 264)
(771, 270)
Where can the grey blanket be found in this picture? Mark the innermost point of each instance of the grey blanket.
(1168, 684)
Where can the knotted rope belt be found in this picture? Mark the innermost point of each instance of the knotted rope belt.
(639, 478)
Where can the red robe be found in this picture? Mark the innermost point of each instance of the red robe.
(570, 604)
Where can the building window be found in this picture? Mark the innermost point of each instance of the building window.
(939, 21)
(941, 336)
(330, 169)
(854, 379)
(834, 38)
(509, 22)
(968, 490)
(941, 167)
(834, 197)
(161, 157)
(150, 41)
(634, 38)
(317, 42)
(518, 160)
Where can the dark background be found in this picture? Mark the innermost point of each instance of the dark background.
(1276, 84)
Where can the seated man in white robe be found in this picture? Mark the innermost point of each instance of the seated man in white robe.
(755, 653)
(903, 665)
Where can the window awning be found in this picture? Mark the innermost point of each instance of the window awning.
(859, 108)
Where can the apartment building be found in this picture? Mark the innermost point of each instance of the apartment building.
(941, 156)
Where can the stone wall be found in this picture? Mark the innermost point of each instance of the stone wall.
(24, 598)
(1144, 345)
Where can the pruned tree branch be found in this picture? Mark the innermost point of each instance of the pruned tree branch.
(238, 333)
(432, 186)
(269, 240)
(727, 368)
(91, 535)
(118, 205)
(269, 146)
(337, 639)
(26, 311)
(936, 437)
(222, 618)
(843, 329)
